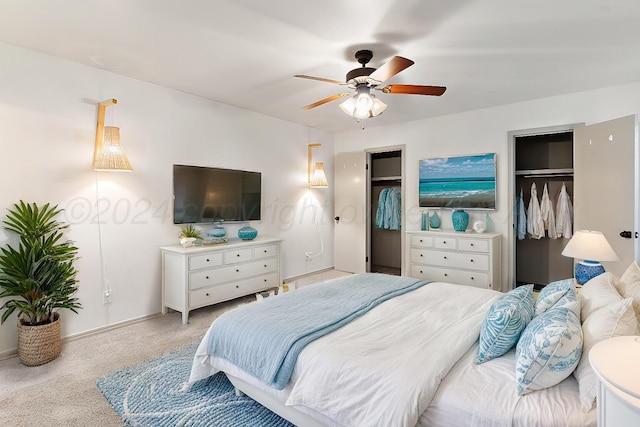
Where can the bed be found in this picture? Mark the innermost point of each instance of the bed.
(400, 360)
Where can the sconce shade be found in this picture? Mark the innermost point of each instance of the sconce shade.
(591, 247)
(316, 178)
(319, 179)
(111, 156)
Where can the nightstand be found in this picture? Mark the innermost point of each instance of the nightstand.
(616, 362)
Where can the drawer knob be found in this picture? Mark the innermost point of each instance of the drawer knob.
(265, 266)
(470, 244)
(237, 270)
(420, 240)
(264, 280)
(444, 242)
(472, 278)
(207, 259)
(238, 255)
(421, 255)
(445, 257)
(207, 294)
(471, 260)
(206, 277)
(421, 271)
(237, 286)
(265, 251)
(446, 275)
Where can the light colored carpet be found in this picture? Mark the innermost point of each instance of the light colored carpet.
(63, 392)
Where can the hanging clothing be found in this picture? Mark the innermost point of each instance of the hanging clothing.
(535, 225)
(389, 212)
(382, 203)
(564, 214)
(521, 218)
(548, 216)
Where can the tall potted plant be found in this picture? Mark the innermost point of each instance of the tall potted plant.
(37, 278)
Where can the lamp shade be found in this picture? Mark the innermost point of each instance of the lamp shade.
(592, 247)
(319, 179)
(589, 245)
(111, 156)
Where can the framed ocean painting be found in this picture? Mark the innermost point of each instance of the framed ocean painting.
(458, 182)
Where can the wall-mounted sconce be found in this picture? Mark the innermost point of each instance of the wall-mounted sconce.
(108, 154)
(316, 178)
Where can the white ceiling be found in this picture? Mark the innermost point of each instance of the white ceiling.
(245, 52)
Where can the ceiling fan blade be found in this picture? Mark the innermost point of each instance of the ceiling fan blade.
(414, 89)
(324, 101)
(391, 68)
(302, 76)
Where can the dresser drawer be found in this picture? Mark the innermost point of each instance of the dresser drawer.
(211, 295)
(202, 261)
(239, 255)
(451, 259)
(422, 241)
(218, 276)
(265, 252)
(461, 277)
(450, 243)
(473, 245)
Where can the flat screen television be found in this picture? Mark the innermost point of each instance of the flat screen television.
(207, 195)
(458, 182)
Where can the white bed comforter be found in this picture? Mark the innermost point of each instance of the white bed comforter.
(384, 368)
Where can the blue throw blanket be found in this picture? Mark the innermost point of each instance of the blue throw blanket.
(264, 339)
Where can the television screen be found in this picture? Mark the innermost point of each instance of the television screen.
(460, 182)
(203, 194)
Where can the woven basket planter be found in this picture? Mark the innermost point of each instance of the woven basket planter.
(40, 344)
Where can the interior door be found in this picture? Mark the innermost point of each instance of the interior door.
(350, 197)
(605, 185)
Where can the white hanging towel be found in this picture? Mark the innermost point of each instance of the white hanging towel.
(535, 225)
(521, 219)
(548, 216)
(564, 214)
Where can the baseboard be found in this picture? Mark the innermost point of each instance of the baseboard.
(6, 354)
(311, 273)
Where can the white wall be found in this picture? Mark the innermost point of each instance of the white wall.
(48, 111)
(486, 131)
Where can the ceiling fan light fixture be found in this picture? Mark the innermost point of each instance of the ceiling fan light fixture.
(378, 107)
(349, 106)
(357, 110)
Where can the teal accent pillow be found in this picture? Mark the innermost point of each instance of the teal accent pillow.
(548, 350)
(506, 319)
(552, 293)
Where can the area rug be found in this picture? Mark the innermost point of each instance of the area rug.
(152, 393)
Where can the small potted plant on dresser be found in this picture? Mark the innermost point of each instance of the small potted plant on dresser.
(189, 235)
(36, 279)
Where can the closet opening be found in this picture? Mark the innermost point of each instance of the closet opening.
(543, 161)
(385, 235)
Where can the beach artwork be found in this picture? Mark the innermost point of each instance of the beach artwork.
(460, 182)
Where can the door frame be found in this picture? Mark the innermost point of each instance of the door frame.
(369, 153)
(511, 230)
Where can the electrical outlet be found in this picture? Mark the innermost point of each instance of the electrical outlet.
(107, 297)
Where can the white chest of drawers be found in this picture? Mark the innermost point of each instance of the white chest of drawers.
(455, 257)
(203, 275)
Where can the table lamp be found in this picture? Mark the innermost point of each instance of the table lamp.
(591, 247)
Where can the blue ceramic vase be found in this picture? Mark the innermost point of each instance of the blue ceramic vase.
(434, 221)
(247, 233)
(460, 220)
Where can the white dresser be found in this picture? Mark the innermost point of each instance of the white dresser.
(615, 362)
(203, 275)
(465, 258)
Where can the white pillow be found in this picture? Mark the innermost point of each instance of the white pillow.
(629, 286)
(610, 321)
(549, 349)
(597, 293)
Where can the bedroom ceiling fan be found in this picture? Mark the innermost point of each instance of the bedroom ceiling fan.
(363, 104)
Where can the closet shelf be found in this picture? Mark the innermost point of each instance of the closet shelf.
(386, 178)
(542, 173)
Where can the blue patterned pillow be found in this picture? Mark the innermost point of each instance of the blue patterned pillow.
(506, 319)
(548, 350)
(551, 294)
